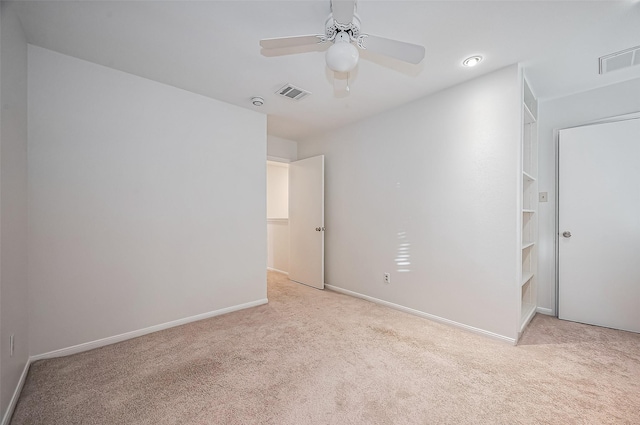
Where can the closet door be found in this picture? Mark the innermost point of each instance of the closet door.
(599, 225)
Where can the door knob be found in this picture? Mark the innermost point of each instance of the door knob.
(566, 234)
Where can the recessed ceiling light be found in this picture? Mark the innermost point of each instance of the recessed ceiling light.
(472, 61)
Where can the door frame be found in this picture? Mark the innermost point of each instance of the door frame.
(556, 236)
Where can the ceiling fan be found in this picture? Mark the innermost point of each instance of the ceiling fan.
(342, 28)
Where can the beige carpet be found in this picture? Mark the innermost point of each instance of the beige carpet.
(317, 357)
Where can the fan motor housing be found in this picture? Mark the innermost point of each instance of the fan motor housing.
(332, 28)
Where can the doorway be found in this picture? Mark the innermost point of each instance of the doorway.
(295, 219)
(278, 216)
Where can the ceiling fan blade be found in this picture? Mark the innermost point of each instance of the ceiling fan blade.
(406, 52)
(343, 11)
(301, 40)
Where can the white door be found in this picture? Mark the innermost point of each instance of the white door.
(306, 221)
(599, 225)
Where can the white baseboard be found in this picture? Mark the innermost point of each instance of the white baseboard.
(423, 314)
(134, 334)
(546, 311)
(276, 270)
(16, 394)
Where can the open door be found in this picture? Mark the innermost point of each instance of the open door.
(599, 200)
(306, 221)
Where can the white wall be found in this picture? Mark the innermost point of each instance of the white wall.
(277, 190)
(278, 245)
(13, 202)
(559, 113)
(281, 149)
(146, 203)
(278, 216)
(428, 192)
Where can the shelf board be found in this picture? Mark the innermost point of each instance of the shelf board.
(526, 245)
(277, 220)
(528, 177)
(528, 211)
(526, 277)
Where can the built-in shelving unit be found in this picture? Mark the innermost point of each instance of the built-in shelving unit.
(529, 203)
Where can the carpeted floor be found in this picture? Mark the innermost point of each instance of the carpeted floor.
(318, 357)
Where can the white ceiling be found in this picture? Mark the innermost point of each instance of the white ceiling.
(211, 48)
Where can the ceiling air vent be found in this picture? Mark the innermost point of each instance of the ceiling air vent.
(619, 60)
(293, 92)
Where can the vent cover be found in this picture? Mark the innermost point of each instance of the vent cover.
(292, 92)
(619, 60)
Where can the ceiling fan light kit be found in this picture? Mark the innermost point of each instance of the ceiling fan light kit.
(342, 28)
(342, 56)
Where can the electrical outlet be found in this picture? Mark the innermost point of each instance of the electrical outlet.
(387, 278)
(11, 344)
(542, 197)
